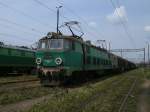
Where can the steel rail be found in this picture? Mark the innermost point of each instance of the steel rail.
(18, 81)
(127, 95)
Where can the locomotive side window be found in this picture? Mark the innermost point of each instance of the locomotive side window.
(78, 47)
(94, 61)
(42, 45)
(9, 51)
(88, 60)
(22, 53)
(98, 61)
(87, 49)
(67, 44)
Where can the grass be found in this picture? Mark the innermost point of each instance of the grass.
(103, 96)
(146, 73)
(13, 96)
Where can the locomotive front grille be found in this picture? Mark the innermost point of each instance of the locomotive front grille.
(47, 56)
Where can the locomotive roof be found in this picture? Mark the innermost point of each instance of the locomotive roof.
(75, 38)
(17, 48)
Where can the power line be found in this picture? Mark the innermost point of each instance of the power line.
(127, 26)
(81, 18)
(118, 3)
(123, 24)
(10, 42)
(44, 5)
(20, 25)
(47, 7)
(12, 35)
(12, 28)
(24, 14)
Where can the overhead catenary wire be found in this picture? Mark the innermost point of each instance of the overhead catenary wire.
(34, 32)
(21, 42)
(20, 25)
(83, 20)
(25, 14)
(123, 24)
(13, 35)
(21, 12)
(118, 2)
(88, 28)
(50, 9)
(18, 30)
(127, 26)
(46, 6)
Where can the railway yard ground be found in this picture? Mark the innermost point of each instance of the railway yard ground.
(123, 92)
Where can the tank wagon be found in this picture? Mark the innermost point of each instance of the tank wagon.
(59, 56)
(16, 59)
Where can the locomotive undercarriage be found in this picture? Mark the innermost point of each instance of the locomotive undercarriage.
(51, 76)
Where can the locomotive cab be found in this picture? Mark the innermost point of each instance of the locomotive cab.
(51, 51)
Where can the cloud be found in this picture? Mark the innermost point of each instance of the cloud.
(147, 28)
(92, 24)
(119, 15)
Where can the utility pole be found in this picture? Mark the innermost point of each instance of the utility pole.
(144, 56)
(148, 54)
(121, 53)
(58, 18)
(148, 58)
(109, 46)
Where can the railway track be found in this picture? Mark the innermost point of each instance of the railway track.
(100, 94)
(25, 105)
(18, 81)
(123, 104)
(116, 84)
(19, 85)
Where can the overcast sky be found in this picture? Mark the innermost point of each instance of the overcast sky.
(127, 25)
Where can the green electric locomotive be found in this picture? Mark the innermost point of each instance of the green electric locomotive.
(15, 60)
(59, 56)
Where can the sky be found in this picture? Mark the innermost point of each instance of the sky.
(123, 23)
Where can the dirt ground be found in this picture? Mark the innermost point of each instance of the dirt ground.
(144, 98)
(23, 105)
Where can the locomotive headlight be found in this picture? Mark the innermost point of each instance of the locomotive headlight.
(58, 61)
(38, 61)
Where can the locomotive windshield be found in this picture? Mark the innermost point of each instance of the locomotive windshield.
(54, 44)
